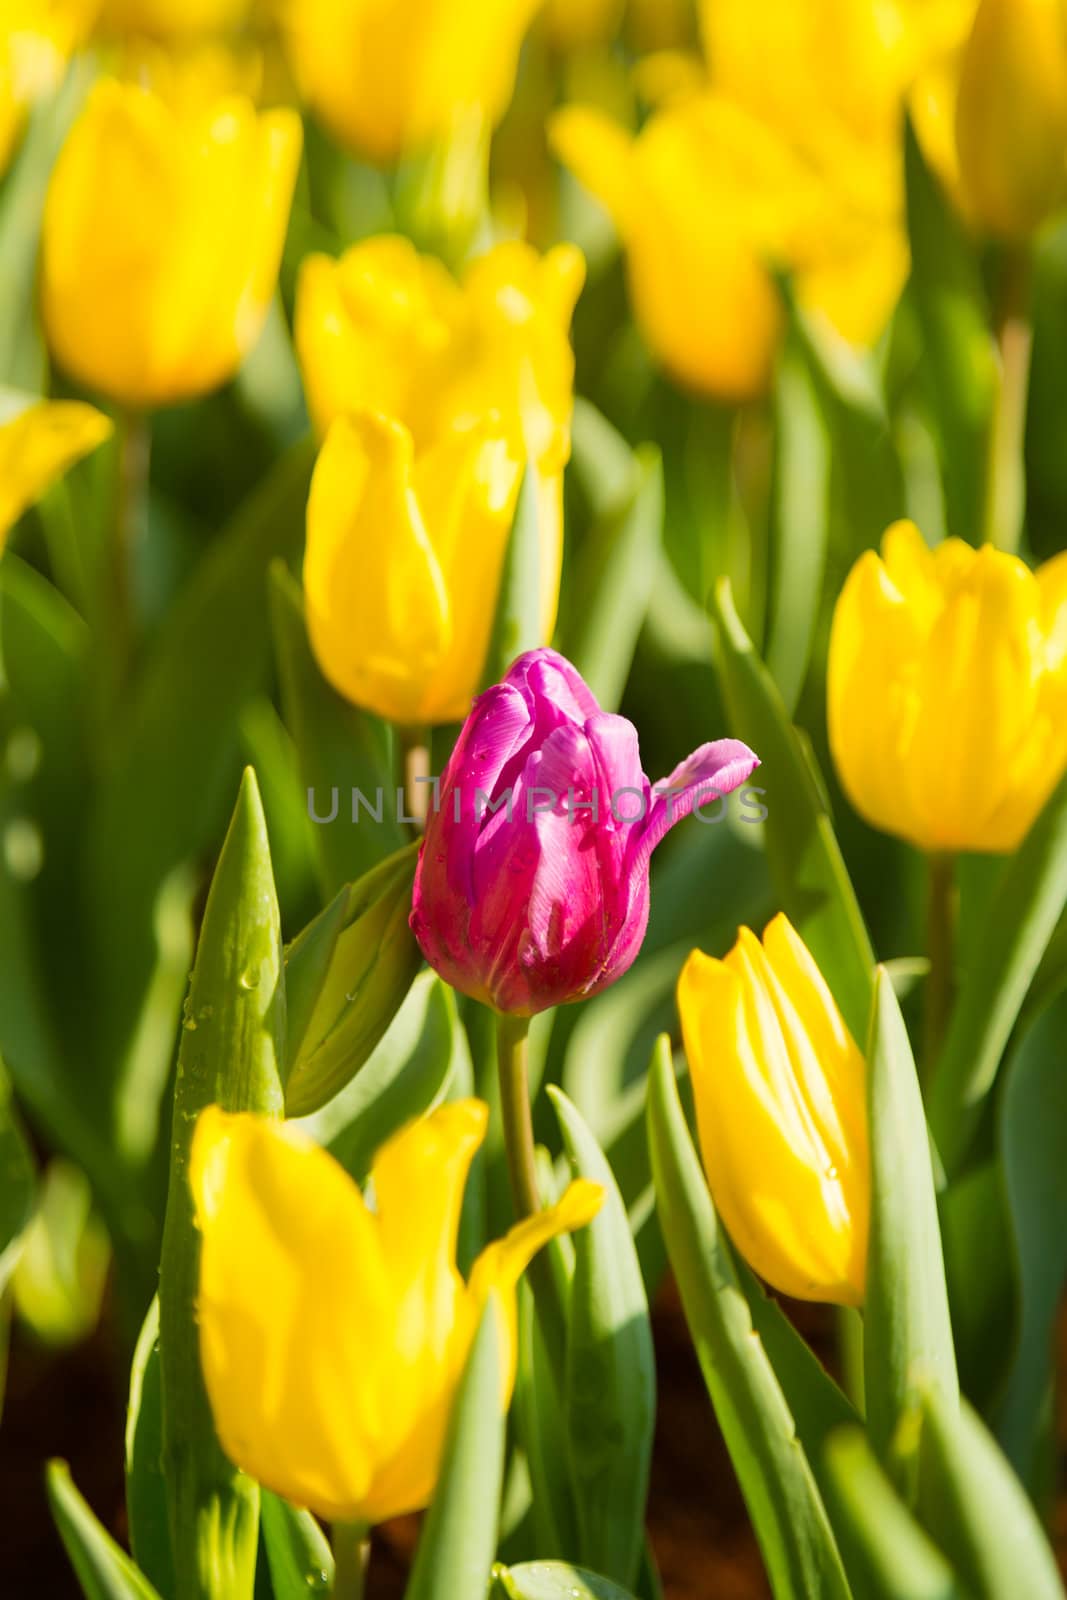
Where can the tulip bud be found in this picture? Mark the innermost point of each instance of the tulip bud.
(707, 199)
(163, 230)
(388, 80)
(947, 691)
(780, 1097)
(39, 440)
(346, 976)
(36, 42)
(532, 884)
(1011, 115)
(332, 1336)
(436, 397)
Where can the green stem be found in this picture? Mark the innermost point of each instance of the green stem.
(351, 1550)
(512, 1036)
(940, 947)
(1005, 506)
(131, 526)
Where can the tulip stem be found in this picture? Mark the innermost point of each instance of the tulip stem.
(940, 942)
(351, 1550)
(415, 745)
(512, 1035)
(131, 522)
(1005, 506)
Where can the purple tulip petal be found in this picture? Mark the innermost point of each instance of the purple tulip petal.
(714, 769)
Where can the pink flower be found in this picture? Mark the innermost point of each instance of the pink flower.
(532, 883)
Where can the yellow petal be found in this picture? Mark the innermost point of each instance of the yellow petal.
(163, 231)
(38, 442)
(173, 19)
(783, 1140)
(501, 1264)
(295, 1309)
(378, 608)
(600, 155)
(1011, 115)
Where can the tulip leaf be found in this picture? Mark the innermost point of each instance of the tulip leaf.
(805, 859)
(908, 1333)
(800, 521)
(298, 1552)
(610, 1401)
(168, 773)
(540, 1425)
(406, 1074)
(613, 583)
(104, 1571)
(554, 1580)
(893, 1556)
(775, 1474)
(17, 1183)
(454, 1560)
(972, 1503)
(1033, 1142)
(958, 352)
(146, 1495)
(344, 752)
(370, 968)
(517, 624)
(231, 1054)
(1028, 901)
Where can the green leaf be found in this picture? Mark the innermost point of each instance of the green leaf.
(231, 1054)
(517, 620)
(958, 353)
(350, 975)
(104, 1571)
(454, 1559)
(540, 1429)
(165, 793)
(610, 1401)
(1027, 903)
(146, 1494)
(404, 1077)
(266, 746)
(1033, 1144)
(972, 1503)
(800, 521)
(804, 857)
(555, 1580)
(613, 582)
(908, 1334)
(776, 1476)
(895, 1558)
(341, 749)
(298, 1552)
(17, 1183)
(61, 1272)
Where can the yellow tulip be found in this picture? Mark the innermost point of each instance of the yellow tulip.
(174, 19)
(781, 1109)
(388, 79)
(163, 230)
(788, 158)
(37, 38)
(948, 691)
(39, 440)
(433, 396)
(333, 1335)
(1011, 115)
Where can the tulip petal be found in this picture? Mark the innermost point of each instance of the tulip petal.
(291, 1264)
(715, 769)
(37, 445)
(502, 1263)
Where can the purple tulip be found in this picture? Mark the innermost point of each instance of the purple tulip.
(532, 882)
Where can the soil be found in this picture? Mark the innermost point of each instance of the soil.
(73, 1405)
